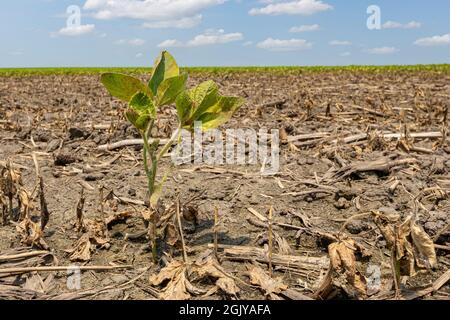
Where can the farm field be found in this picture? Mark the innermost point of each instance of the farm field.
(364, 175)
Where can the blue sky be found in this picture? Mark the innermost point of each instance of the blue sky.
(36, 33)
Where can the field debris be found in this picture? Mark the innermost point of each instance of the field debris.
(359, 206)
(178, 276)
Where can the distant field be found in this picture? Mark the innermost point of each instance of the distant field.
(51, 71)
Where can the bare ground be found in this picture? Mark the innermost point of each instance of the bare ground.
(319, 186)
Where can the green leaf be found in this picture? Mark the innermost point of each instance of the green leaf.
(184, 107)
(122, 86)
(165, 67)
(139, 120)
(143, 104)
(169, 89)
(157, 192)
(204, 96)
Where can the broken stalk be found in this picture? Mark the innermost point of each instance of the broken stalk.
(270, 241)
(216, 245)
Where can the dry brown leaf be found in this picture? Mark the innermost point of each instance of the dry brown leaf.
(169, 272)
(81, 250)
(270, 286)
(175, 276)
(171, 234)
(425, 252)
(345, 274)
(146, 215)
(414, 249)
(97, 232)
(282, 244)
(34, 282)
(118, 217)
(384, 223)
(176, 288)
(31, 234)
(227, 285)
(211, 268)
(23, 199)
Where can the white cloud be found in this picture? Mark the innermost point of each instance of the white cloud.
(132, 42)
(247, 44)
(155, 13)
(210, 37)
(345, 54)
(136, 42)
(172, 43)
(74, 31)
(284, 45)
(340, 43)
(139, 55)
(383, 50)
(434, 41)
(305, 28)
(398, 25)
(300, 7)
(183, 23)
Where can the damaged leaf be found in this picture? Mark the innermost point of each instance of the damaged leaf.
(174, 276)
(210, 268)
(270, 286)
(413, 248)
(424, 247)
(177, 278)
(344, 272)
(81, 250)
(31, 234)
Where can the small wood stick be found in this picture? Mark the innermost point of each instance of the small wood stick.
(36, 165)
(270, 241)
(45, 215)
(216, 242)
(61, 268)
(102, 209)
(9, 189)
(181, 231)
(80, 207)
(395, 267)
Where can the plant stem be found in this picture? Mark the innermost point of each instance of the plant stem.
(175, 137)
(150, 151)
(150, 174)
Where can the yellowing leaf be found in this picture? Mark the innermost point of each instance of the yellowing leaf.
(204, 96)
(143, 104)
(224, 110)
(122, 86)
(165, 67)
(184, 107)
(140, 121)
(169, 89)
